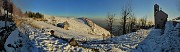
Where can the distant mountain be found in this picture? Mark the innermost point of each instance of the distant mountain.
(102, 22)
(99, 21)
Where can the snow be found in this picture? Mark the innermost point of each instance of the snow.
(77, 30)
(10, 40)
(18, 42)
(124, 42)
(89, 37)
(177, 20)
(2, 23)
(45, 42)
(157, 42)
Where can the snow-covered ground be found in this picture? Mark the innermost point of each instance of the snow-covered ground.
(13, 39)
(2, 23)
(18, 42)
(30, 37)
(124, 42)
(78, 29)
(140, 41)
(45, 42)
(36, 40)
(157, 42)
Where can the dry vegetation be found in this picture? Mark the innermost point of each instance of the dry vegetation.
(18, 21)
(34, 25)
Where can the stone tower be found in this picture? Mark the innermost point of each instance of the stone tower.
(156, 9)
(160, 17)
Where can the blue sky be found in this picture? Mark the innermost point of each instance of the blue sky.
(96, 8)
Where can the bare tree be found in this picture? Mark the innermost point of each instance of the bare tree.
(10, 7)
(143, 21)
(17, 11)
(110, 20)
(149, 23)
(5, 7)
(125, 13)
(5, 4)
(132, 22)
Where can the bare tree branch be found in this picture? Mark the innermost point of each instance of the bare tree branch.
(125, 13)
(110, 20)
(132, 22)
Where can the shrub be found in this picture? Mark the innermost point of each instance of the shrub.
(36, 15)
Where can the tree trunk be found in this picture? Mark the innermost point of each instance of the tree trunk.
(124, 24)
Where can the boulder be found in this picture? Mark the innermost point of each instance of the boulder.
(64, 25)
(73, 42)
(60, 25)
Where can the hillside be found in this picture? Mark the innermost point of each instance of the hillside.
(78, 27)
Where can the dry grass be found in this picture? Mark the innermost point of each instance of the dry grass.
(18, 22)
(33, 25)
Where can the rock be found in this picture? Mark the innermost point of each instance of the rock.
(60, 25)
(20, 45)
(66, 25)
(73, 42)
(52, 32)
(9, 45)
